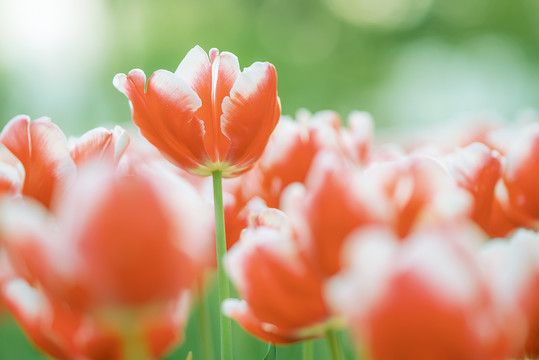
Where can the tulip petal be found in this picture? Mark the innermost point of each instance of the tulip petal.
(165, 114)
(477, 169)
(225, 71)
(35, 314)
(239, 311)
(16, 138)
(11, 172)
(212, 82)
(99, 143)
(196, 70)
(250, 114)
(42, 149)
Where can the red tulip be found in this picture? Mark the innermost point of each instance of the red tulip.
(207, 115)
(478, 169)
(65, 333)
(48, 159)
(42, 149)
(512, 267)
(417, 191)
(335, 200)
(522, 170)
(287, 159)
(109, 145)
(289, 154)
(121, 250)
(421, 299)
(282, 294)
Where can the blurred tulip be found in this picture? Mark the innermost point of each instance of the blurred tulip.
(357, 138)
(99, 143)
(417, 191)
(512, 268)
(124, 259)
(287, 159)
(421, 299)
(522, 170)
(335, 200)
(478, 169)
(65, 333)
(282, 294)
(207, 115)
(49, 161)
(338, 198)
(41, 147)
(289, 154)
(11, 173)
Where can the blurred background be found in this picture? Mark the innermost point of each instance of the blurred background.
(405, 61)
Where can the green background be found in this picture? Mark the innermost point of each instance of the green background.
(405, 61)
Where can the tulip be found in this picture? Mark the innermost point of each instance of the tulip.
(478, 169)
(417, 192)
(207, 116)
(512, 268)
(42, 149)
(281, 293)
(335, 200)
(108, 145)
(424, 298)
(48, 159)
(65, 333)
(287, 159)
(124, 260)
(522, 170)
(290, 153)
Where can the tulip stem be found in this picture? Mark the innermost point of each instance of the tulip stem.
(134, 344)
(334, 344)
(308, 350)
(204, 322)
(224, 289)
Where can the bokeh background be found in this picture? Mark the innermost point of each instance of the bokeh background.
(407, 62)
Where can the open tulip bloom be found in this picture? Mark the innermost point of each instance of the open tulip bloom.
(207, 116)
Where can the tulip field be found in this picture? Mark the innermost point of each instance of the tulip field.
(215, 227)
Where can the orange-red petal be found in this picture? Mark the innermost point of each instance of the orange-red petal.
(250, 114)
(165, 115)
(42, 149)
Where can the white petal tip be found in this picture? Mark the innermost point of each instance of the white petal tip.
(231, 306)
(119, 82)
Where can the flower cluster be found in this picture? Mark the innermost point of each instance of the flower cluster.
(97, 259)
(422, 249)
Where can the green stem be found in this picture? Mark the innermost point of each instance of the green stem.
(224, 289)
(135, 346)
(204, 323)
(308, 350)
(334, 344)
